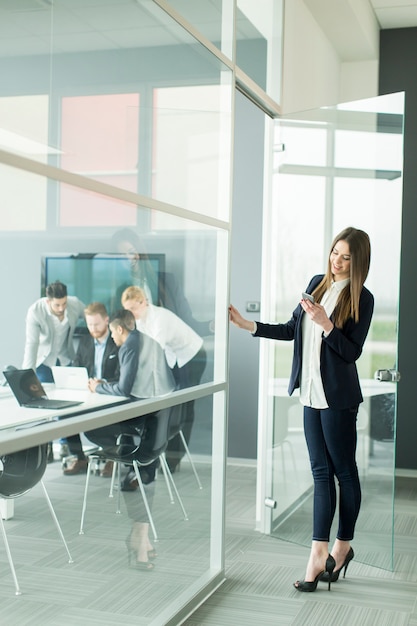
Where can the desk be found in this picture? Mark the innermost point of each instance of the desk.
(14, 418)
(13, 415)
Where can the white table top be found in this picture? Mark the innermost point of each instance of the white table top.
(11, 414)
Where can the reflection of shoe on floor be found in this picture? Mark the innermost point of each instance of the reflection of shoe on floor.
(107, 470)
(79, 466)
(130, 482)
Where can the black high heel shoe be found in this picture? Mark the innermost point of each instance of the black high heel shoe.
(304, 585)
(335, 576)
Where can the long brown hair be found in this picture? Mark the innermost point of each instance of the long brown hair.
(360, 256)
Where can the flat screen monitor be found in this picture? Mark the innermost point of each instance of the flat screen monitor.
(103, 277)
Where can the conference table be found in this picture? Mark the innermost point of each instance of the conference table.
(22, 427)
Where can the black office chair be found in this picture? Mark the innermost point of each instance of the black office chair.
(137, 451)
(19, 473)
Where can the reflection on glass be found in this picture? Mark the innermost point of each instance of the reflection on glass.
(97, 264)
(24, 126)
(191, 143)
(259, 25)
(24, 200)
(212, 19)
(139, 106)
(102, 146)
(354, 177)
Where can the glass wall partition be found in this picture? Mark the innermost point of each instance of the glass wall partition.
(97, 263)
(259, 27)
(116, 136)
(336, 167)
(213, 20)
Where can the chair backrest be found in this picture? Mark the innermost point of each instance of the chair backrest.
(145, 447)
(156, 436)
(22, 470)
(177, 417)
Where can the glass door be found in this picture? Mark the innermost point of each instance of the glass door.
(334, 167)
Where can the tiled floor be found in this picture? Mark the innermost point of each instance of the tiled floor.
(260, 571)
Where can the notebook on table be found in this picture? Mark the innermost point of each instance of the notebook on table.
(28, 391)
(70, 377)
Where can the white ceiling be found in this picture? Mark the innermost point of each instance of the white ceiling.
(395, 13)
(83, 25)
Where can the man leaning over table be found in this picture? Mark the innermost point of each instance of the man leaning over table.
(98, 353)
(50, 326)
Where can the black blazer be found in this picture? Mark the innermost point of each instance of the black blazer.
(85, 357)
(339, 351)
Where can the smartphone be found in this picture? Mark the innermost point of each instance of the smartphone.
(307, 296)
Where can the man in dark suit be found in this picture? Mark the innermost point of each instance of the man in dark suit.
(98, 353)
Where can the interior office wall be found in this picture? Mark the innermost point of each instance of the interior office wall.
(397, 72)
(311, 71)
(315, 74)
(358, 80)
(245, 276)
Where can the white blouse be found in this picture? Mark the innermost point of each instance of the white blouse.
(179, 341)
(311, 385)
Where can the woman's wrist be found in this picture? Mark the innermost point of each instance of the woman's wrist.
(328, 329)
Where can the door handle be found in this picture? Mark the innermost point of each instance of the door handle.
(392, 376)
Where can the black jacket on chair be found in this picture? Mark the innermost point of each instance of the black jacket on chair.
(339, 351)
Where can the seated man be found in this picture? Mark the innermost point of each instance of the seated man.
(144, 373)
(98, 353)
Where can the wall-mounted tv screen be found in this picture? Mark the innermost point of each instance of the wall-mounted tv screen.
(103, 277)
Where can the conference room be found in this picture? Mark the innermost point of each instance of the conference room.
(95, 163)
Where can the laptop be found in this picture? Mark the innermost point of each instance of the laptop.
(28, 391)
(70, 377)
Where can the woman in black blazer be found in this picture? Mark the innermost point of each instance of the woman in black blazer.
(328, 335)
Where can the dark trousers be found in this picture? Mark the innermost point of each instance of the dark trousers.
(331, 441)
(188, 375)
(106, 436)
(75, 446)
(44, 373)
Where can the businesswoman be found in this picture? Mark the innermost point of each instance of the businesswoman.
(328, 335)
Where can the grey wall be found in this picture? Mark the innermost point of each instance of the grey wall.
(398, 72)
(246, 249)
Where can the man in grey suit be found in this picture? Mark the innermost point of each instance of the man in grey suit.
(50, 326)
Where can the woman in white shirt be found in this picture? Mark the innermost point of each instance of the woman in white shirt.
(329, 333)
(184, 351)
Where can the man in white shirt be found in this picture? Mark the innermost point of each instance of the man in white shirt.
(50, 326)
